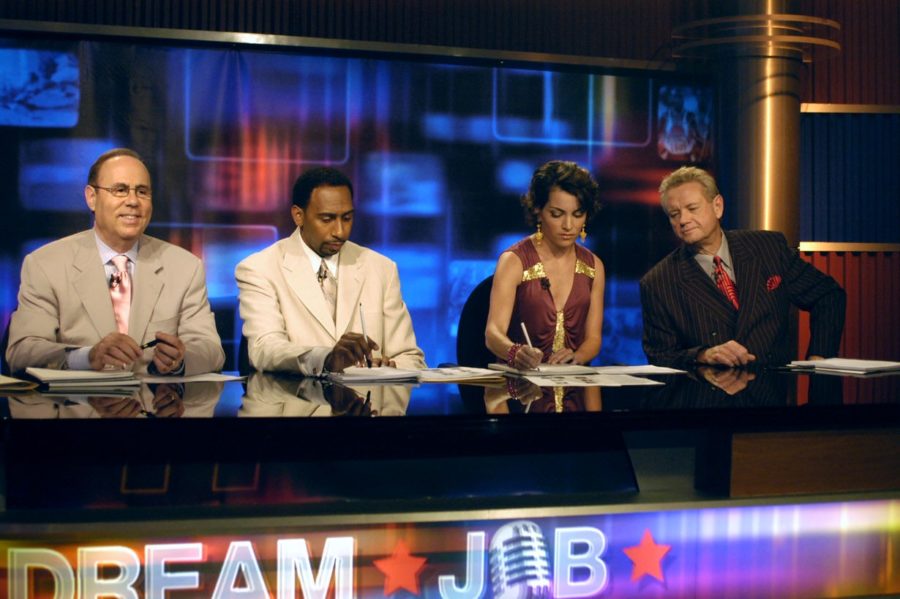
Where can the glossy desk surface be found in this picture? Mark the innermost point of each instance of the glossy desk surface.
(280, 440)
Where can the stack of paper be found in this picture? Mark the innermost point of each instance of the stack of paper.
(378, 374)
(8, 384)
(459, 374)
(83, 379)
(846, 366)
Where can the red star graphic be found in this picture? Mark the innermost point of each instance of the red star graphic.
(647, 557)
(401, 569)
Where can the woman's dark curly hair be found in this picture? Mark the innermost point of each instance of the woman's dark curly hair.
(567, 176)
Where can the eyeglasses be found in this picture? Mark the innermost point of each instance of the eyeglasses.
(122, 191)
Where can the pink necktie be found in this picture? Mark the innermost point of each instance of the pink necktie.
(724, 283)
(120, 293)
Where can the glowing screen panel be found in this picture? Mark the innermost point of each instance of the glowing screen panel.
(439, 153)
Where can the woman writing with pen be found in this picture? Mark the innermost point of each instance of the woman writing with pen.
(547, 295)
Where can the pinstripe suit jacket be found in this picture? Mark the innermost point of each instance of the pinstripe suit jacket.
(684, 312)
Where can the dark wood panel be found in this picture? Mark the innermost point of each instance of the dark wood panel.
(792, 463)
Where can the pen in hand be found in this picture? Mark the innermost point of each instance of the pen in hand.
(528, 342)
(149, 344)
(525, 332)
(362, 323)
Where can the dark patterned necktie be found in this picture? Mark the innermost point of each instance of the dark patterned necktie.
(724, 283)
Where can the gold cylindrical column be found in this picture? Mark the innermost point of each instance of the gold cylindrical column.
(759, 139)
(758, 48)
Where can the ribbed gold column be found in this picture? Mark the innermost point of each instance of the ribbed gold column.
(757, 49)
(759, 139)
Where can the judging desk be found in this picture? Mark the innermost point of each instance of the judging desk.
(712, 483)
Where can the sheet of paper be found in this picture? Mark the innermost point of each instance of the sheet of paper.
(53, 376)
(546, 369)
(209, 377)
(848, 365)
(377, 374)
(589, 380)
(637, 370)
(458, 374)
(8, 383)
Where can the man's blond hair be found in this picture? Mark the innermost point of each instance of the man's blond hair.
(688, 174)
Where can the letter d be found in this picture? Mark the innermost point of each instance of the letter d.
(21, 560)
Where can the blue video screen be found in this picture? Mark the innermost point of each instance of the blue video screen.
(439, 149)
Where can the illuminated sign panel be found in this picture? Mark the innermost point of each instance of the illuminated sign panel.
(831, 549)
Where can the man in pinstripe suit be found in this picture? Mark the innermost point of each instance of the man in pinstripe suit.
(689, 319)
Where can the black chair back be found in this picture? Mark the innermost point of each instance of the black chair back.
(4, 343)
(244, 358)
(470, 348)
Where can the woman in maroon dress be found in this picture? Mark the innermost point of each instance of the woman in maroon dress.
(547, 281)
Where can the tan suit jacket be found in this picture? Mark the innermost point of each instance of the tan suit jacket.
(64, 303)
(286, 316)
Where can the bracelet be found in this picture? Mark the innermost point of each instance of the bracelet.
(511, 354)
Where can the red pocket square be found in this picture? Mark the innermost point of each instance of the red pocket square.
(773, 282)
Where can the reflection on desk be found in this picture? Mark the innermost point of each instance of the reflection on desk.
(271, 395)
(197, 400)
(266, 442)
(521, 396)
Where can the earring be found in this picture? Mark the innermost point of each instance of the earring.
(539, 236)
(583, 233)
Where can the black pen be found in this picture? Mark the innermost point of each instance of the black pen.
(149, 344)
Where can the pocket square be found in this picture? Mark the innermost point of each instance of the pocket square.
(773, 282)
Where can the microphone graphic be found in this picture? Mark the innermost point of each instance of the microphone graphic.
(520, 566)
(545, 284)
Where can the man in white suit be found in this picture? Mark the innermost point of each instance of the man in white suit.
(66, 317)
(304, 298)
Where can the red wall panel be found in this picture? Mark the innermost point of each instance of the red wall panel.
(872, 282)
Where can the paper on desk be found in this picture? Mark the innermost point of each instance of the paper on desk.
(458, 374)
(8, 383)
(376, 374)
(90, 379)
(846, 365)
(209, 377)
(545, 369)
(590, 380)
(637, 370)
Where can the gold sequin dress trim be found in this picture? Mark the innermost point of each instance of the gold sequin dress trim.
(535, 272)
(558, 394)
(582, 268)
(559, 333)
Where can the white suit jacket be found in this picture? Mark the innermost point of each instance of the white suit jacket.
(286, 316)
(64, 303)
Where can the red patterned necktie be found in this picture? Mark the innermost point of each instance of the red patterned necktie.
(724, 283)
(120, 293)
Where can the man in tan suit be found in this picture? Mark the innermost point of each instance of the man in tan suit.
(307, 299)
(68, 314)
